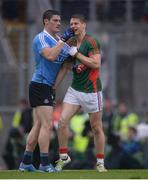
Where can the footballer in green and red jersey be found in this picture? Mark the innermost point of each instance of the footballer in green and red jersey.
(86, 79)
(85, 93)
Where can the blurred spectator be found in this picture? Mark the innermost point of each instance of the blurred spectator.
(145, 154)
(124, 119)
(142, 129)
(22, 105)
(21, 125)
(131, 145)
(125, 154)
(108, 117)
(82, 146)
(13, 149)
(26, 120)
(78, 121)
(133, 150)
(114, 156)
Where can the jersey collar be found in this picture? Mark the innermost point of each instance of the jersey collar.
(51, 35)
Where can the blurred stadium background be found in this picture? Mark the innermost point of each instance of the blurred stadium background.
(121, 26)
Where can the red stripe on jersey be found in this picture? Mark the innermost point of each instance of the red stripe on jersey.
(93, 76)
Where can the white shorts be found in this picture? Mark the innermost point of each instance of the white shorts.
(90, 102)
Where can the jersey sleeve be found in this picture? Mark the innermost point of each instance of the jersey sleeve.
(94, 46)
(42, 42)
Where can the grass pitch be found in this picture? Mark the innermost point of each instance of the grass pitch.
(77, 174)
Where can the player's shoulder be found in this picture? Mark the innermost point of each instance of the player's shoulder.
(91, 39)
(39, 36)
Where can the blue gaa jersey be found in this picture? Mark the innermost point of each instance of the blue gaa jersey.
(45, 70)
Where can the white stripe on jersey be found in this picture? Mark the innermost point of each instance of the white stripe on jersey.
(66, 46)
(42, 40)
(49, 36)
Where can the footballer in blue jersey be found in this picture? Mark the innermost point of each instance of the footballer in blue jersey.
(46, 70)
(50, 52)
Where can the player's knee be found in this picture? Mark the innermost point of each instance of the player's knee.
(47, 126)
(62, 125)
(96, 130)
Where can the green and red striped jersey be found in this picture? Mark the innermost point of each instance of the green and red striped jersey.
(86, 79)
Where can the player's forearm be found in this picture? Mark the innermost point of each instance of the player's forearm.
(60, 76)
(88, 61)
(52, 53)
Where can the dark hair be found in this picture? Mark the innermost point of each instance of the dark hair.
(49, 13)
(80, 17)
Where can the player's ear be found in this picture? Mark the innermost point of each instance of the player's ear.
(46, 21)
(84, 24)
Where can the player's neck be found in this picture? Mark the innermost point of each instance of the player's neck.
(81, 36)
(53, 34)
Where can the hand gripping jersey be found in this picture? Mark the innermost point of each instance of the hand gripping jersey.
(86, 79)
(46, 70)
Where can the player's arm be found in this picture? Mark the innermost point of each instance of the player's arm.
(52, 53)
(93, 61)
(94, 57)
(63, 71)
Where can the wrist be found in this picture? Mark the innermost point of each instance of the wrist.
(76, 54)
(61, 41)
(73, 51)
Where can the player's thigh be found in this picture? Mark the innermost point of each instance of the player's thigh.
(44, 114)
(36, 119)
(96, 119)
(68, 111)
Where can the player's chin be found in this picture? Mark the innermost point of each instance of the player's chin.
(57, 30)
(76, 33)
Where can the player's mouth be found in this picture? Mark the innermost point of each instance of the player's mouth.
(58, 28)
(75, 31)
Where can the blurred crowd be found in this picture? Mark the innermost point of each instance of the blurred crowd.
(126, 138)
(106, 10)
(126, 131)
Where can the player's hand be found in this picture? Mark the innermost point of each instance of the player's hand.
(67, 35)
(73, 51)
(79, 68)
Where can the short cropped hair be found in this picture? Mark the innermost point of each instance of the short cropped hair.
(80, 17)
(49, 13)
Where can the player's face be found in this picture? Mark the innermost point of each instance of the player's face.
(53, 25)
(77, 25)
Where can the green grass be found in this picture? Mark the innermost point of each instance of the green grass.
(77, 174)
